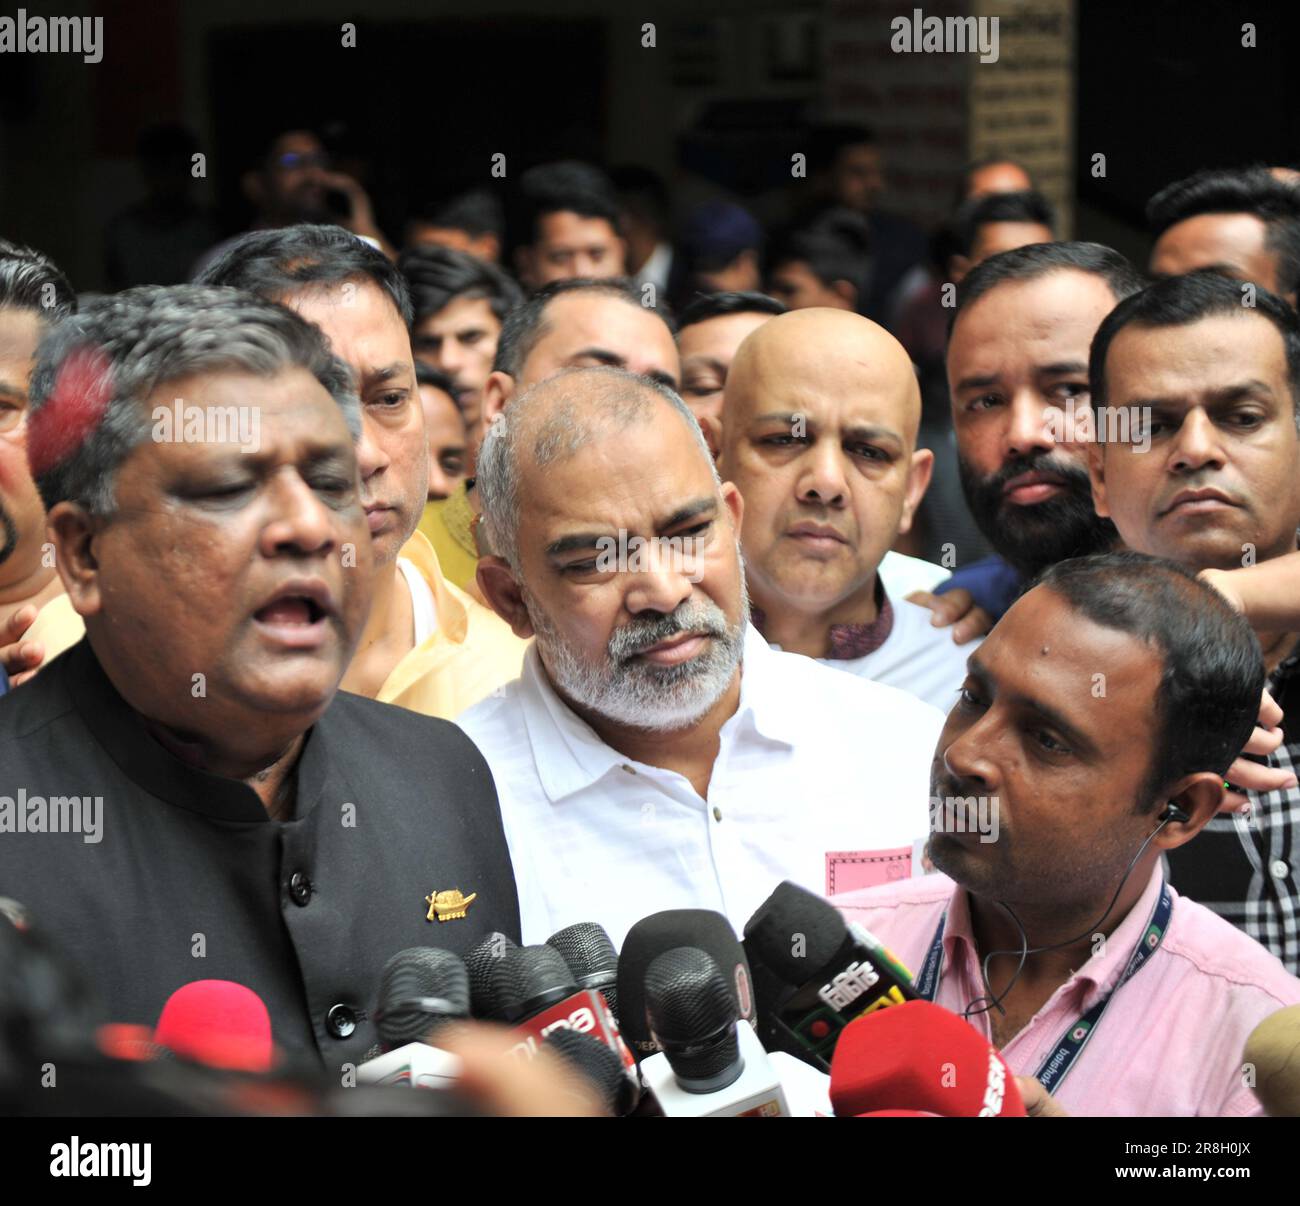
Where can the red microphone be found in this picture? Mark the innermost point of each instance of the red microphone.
(919, 1057)
(218, 1023)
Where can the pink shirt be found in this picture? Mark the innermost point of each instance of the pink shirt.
(1169, 1044)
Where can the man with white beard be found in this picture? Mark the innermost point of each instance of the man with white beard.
(655, 753)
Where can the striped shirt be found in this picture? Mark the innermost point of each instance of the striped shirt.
(1244, 868)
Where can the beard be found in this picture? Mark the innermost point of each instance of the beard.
(636, 693)
(8, 535)
(1033, 537)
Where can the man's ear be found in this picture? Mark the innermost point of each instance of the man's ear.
(918, 482)
(847, 292)
(735, 504)
(498, 585)
(1097, 476)
(72, 530)
(1199, 796)
(498, 389)
(711, 425)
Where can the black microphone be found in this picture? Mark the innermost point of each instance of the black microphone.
(651, 936)
(591, 957)
(601, 1066)
(480, 963)
(813, 974)
(710, 1063)
(420, 989)
(534, 991)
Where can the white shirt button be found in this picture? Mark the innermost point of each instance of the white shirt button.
(717, 813)
(631, 770)
(1279, 869)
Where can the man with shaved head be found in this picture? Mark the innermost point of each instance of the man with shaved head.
(819, 431)
(655, 752)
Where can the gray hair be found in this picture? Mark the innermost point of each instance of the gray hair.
(613, 400)
(127, 346)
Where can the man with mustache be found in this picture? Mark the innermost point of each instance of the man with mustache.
(1211, 388)
(186, 794)
(1017, 368)
(655, 752)
(1062, 923)
(427, 645)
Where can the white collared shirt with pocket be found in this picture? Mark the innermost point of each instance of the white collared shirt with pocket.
(819, 775)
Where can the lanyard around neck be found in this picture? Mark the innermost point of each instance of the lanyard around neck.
(1072, 1042)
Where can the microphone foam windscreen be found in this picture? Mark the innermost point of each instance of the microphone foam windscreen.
(527, 979)
(591, 957)
(599, 1064)
(692, 1012)
(919, 1056)
(420, 987)
(795, 933)
(1273, 1050)
(480, 963)
(218, 1023)
(651, 936)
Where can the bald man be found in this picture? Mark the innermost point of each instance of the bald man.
(655, 753)
(819, 425)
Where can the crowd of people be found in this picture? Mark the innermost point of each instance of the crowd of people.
(594, 560)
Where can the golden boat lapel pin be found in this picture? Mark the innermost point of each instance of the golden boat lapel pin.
(447, 906)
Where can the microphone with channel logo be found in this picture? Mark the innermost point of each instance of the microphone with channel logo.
(813, 974)
(533, 990)
(921, 1059)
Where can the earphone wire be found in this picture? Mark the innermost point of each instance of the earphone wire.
(989, 1000)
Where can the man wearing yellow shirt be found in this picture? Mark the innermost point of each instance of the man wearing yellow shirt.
(567, 324)
(426, 646)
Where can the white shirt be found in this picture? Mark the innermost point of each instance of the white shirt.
(902, 574)
(812, 763)
(424, 611)
(916, 658)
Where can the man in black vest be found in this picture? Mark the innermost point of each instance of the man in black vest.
(185, 795)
